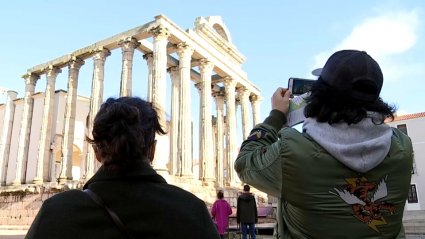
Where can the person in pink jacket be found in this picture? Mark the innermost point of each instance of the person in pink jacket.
(220, 212)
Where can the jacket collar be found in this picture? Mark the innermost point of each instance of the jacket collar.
(139, 170)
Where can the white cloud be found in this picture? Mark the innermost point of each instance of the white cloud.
(382, 37)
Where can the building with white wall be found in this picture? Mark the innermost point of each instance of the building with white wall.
(51, 171)
(414, 126)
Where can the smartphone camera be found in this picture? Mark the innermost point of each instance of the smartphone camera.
(299, 86)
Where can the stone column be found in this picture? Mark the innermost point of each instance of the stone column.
(255, 103)
(159, 88)
(96, 100)
(219, 102)
(127, 46)
(206, 153)
(26, 121)
(200, 134)
(148, 57)
(46, 124)
(174, 145)
(246, 120)
(185, 52)
(6, 132)
(69, 122)
(231, 140)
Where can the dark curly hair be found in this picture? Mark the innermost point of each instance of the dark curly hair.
(123, 131)
(328, 105)
(220, 194)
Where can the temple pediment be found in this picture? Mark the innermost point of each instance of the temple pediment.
(213, 30)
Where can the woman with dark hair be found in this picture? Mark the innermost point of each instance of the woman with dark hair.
(347, 174)
(220, 212)
(126, 198)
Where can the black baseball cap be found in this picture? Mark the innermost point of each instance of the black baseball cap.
(353, 73)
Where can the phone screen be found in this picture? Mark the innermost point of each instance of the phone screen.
(300, 86)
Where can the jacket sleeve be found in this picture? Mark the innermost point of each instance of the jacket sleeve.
(258, 162)
(213, 210)
(238, 211)
(229, 209)
(210, 229)
(256, 212)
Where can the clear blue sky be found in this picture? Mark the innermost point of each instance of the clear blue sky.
(280, 39)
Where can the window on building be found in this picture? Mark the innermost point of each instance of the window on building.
(402, 128)
(413, 195)
(414, 171)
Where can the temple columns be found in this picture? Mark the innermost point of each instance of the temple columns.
(69, 122)
(219, 102)
(6, 132)
(185, 52)
(174, 145)
(255, 103)
(46, 124)
(206, 150)
(96, 100)
(159, 87)
(24, 134)
(231, 140)
(246, 120)
(149, 59)
(127, 47)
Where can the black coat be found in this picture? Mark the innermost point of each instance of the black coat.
(145, 203)
(246, 209)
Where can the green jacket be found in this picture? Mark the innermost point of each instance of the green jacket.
(319, 196)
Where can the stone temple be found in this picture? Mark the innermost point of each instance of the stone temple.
(42, 134)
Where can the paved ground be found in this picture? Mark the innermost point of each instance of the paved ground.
(12, 234)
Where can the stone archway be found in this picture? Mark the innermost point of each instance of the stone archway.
(217, 24)
(221, 31)
(76, 171)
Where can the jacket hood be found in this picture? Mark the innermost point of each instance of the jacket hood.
(360, 146)
(247, 197)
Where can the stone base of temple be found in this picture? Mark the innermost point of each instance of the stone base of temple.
(20, 204)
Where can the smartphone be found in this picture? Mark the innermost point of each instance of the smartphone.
(299, 86)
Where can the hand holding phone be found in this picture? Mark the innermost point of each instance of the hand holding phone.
(280, 100)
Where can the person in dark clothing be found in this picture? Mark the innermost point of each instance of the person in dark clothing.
(124, 142)
(246, 213)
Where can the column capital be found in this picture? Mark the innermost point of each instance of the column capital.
(256, 99)
(174, 75)
(205, 65)
(128, 44)
(243, 92)
(52, 71)
(75, 64)
(218, 94)
(12, 94)
(229, 82)
(160, 32)
(219, 99)
(198, 86)
(237, 101)
(148, 56)
(184, 50)
(101, 54)
(30, 78)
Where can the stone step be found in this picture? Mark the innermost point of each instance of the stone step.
(408, 215)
